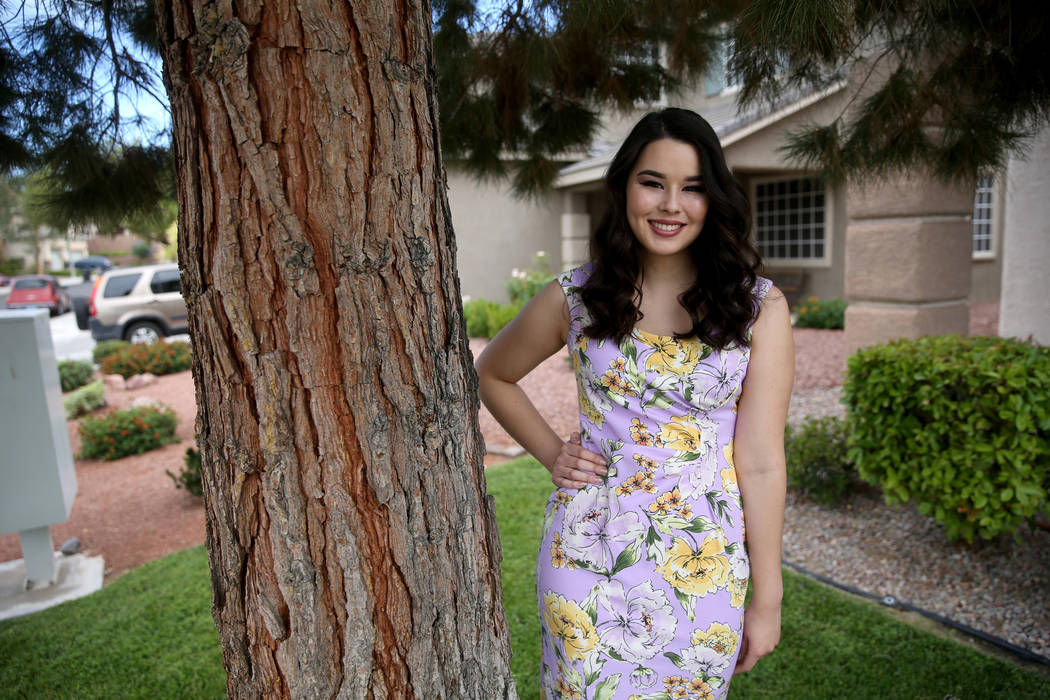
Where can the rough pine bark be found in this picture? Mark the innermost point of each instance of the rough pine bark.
(353, 550)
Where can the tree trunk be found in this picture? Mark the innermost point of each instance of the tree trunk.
(353, 550)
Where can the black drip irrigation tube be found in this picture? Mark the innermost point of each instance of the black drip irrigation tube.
(892, 602)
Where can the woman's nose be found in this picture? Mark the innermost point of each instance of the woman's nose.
(670, 201)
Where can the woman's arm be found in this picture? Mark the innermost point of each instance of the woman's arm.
(536, 333)
(759, 458)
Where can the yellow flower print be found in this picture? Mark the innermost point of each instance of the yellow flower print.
(673, 498)
(567, 691)
(619, 364)
(737, 591)
(641, 435)
(682, 434)
(563, 497)
(565, 688)
(670, 682)
(638, 481)
(729, 479)
(558, 558)
(660, 506)
(696, 573)
(699, 689)
(648, 486)
(592, 413)
(647, 464)
(569, 623)
(617, 384)
(728, 452)
(719, 636)
(686, 511)
(673, 356)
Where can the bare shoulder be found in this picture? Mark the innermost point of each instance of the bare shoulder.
(773, 311)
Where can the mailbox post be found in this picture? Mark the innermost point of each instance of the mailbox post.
(37, 478)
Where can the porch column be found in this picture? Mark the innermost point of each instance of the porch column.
(1024, 307)
(908, 253)
(575, 229)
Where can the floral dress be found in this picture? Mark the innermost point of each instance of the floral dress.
(641, 579)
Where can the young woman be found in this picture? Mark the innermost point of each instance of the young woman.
(684, 364)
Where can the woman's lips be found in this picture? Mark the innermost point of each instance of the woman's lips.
(665, 228)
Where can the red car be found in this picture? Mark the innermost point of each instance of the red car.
(38, 291)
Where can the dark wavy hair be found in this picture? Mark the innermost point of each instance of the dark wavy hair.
(721, 300)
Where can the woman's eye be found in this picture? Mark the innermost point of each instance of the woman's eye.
(651, 183)
(696, 188)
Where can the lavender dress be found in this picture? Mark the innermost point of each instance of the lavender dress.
(641, 580)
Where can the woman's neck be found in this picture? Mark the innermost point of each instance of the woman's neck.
(662, 272)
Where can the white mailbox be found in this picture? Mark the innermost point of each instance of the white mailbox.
(37, 478)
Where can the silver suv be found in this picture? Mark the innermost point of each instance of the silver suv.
(137, 304)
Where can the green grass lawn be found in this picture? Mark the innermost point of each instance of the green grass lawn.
(149, 634)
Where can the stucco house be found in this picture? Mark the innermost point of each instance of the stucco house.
(908, 254)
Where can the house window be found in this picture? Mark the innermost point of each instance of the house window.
(790, 220)
(720, 78)
(983, 217)
(648, 55)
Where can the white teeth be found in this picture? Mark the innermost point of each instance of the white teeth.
(666, 227)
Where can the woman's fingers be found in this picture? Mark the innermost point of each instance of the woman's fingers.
(577, 467)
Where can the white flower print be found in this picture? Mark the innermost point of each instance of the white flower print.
(642, 623)
(739, 566)
(700, 659)
(713, 385)
(590, 528)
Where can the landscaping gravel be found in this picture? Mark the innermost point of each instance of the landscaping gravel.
(1000, 587)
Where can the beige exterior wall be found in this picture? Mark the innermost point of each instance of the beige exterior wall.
(908, 253)
(496, 232)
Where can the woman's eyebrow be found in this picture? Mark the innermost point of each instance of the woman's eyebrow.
(653, 173)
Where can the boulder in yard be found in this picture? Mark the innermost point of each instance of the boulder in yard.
(140, 380)
(114, 381)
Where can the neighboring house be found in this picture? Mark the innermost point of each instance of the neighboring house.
(54, 250)
(800, 221)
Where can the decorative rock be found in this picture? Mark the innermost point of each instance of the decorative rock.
(144, 401)
(114, 381)
(71, 546)
(139, 381)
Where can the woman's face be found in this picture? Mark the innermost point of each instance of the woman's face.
(666, 200)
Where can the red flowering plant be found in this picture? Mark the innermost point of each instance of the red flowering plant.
(129, 432)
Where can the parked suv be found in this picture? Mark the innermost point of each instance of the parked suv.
(137, 304)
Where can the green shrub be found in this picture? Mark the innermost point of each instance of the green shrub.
(85, 400)
(60, 273)
(524, 284)
(73, 374)
(129, 432)
(960, 426)
(817, 463)
(105, 348)
(487, 318)
(156, 358)
(189, 477)
(141, 250)
(12, 266)
(829, 314)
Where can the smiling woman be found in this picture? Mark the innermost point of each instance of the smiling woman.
(643, 564)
